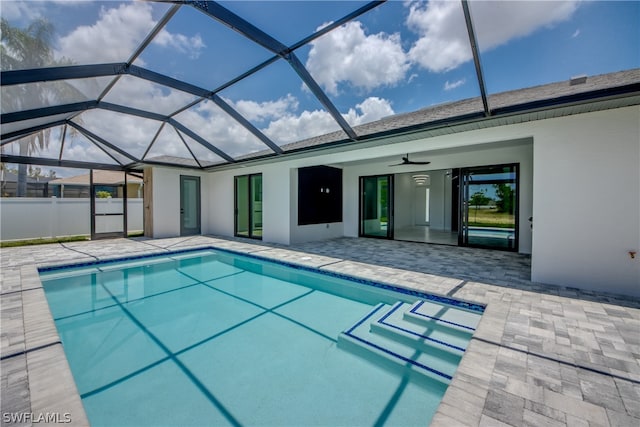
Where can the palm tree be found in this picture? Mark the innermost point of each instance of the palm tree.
(25, 49)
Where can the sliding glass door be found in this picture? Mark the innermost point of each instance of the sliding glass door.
(248, 206)
(376, 206)
(489, 207)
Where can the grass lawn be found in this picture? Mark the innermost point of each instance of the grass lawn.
(43, 241)
(490, 218)
(28, 242)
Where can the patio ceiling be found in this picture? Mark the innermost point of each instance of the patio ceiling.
(209, 84)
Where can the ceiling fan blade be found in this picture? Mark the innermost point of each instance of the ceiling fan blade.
(406, 161)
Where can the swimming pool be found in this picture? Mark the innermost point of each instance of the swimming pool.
(210, 337)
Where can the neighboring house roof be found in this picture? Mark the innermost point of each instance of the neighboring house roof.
(102, 177)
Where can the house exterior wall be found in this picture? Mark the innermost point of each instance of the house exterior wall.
(577, 173)
(587, 201)
(280, 191)
(279, 206)
(166, 201)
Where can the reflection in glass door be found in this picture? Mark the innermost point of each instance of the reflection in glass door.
(189, 205)
(489, 207)
(248, 206)
(376, 206)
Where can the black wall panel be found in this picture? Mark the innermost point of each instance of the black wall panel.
(319, 195)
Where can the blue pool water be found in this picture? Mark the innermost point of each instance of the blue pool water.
(210, 337)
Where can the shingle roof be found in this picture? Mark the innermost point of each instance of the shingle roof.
(465, 107)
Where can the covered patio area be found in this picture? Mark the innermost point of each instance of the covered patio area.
(542, 355)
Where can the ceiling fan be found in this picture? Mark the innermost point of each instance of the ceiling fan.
(406, 161)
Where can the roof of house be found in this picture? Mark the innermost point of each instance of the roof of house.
(498, 103)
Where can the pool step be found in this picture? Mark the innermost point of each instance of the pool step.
(427, 313)
(422, 347)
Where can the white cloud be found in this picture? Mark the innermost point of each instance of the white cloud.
(348, 55)
(27, 11)
(444, 42)
(284, 123)
(291, 128)
(14, 10)
(211, 123)
(83, 151)
(76, 147)
(517, 19)
(575, 34)
(259, 111)
(192, 46)
(453, 85)
(130, 133)
(206, 119)
(369, 110)
(144, 95)
(113, 38)
(118, 32)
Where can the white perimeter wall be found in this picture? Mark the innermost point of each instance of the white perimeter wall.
(586, 203)
(33, 218)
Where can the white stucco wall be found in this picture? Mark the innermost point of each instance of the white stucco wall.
(276, 195)
(587, 201)
(166, 201)
(279, 206)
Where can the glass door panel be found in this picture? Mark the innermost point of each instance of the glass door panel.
(189, 205)
(248, 206)
(376, 209)
(489, 207)
(242, 206)
(256, 206)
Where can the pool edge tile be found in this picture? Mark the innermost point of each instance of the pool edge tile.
(51, 386)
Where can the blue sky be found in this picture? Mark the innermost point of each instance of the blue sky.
(399, 57)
